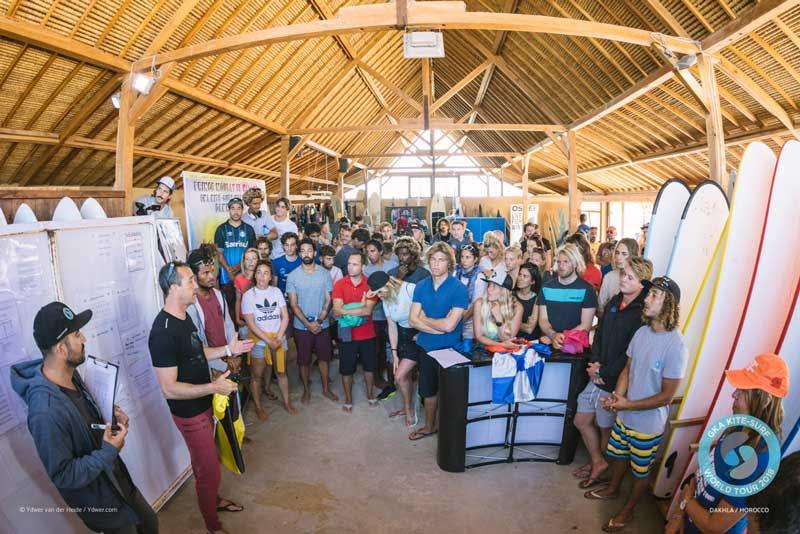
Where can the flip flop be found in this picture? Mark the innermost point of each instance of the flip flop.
(230, 507)
(421, 435)
(372, 402)
(613, 526)
(590, 483)
(348, 408)
(583, 471)
(398, 413)
(593, 495)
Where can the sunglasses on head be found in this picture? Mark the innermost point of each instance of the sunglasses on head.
(204, 261)
(468, 247)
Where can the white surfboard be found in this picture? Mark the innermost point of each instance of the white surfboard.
(66, 210)
(789, 349)
(24, 215)
(374, 208)
(717, 328)
(770, 298)
(3, 221)
(91, 209)
(667, 210)
(702, 221)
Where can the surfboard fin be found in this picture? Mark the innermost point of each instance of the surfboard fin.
(669, 465)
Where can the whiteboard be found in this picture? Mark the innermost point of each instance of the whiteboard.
(108, 266)
(27, 282)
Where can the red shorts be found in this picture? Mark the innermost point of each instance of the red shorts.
(308, 342)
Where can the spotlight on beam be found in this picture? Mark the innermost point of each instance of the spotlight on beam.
(686, 61)
(115, 99)
(143, 83)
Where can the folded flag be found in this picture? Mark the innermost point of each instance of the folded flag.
(516, 376)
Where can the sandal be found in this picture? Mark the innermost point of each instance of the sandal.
(613, 526)
(593, 495)
(590, 483)
(229, 507)
(348, 408)
(583, 471)
(419, 434)
(398, 413)
(372, 402)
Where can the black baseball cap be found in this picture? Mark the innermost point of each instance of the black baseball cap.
(55, 321)
(377, 280)
(501, 279)
(665, 283)
(235, 200)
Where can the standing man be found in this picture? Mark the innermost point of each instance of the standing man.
(309, 291)
(657, 358)
(232, 238)
(158, 202)
(358, 342)
(282, 224)
(457, 239)
(418, 234)
(181, 365)
(567, 302)
(343, 236)
(611, 235)
(210, 312)
(288, 262)
(356, 243)
(387, 232)
(259, 219)
(408, 254)
(611, 339)
(437, 308)
(376, 262)
(84, 464)
(583, 227)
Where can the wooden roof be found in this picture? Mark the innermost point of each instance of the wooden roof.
(61, 60)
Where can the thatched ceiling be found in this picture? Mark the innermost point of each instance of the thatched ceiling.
(58, 127)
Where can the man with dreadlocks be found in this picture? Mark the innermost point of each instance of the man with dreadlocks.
(410, 269)
(657, 357)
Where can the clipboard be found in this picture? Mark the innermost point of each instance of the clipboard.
(100, 378)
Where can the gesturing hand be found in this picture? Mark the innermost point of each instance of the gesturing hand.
(240, 346)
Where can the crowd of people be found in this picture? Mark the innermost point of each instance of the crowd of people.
(266, 291)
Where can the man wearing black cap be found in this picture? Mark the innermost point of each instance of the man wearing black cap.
(83, 463)
(657, 358)
(418, 234)
(232, 238)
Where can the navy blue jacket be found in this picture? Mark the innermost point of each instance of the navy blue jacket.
(82, 473)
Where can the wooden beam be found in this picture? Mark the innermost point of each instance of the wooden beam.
(437, 125)
(667, 18)
(714, 132)
(123, 169)
(750, 20)
(429, 15)
(461, 84)
(572, 183)
(755, 91)
(298, 147)
(525, 187)
(436, 153)
(427, 93)
(284, 168)
(383, 80)
(11, 135)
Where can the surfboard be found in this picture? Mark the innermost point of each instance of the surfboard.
(67, 210)
(667, 210)
(769, 299)
(701, 225)
(3, 221)
(789, 349)
(91, 209)
(438, 210)
(374, 208)
(24, 215)
(716, 328)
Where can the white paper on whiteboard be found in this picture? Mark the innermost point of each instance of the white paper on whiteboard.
(134, 251)
(447, 357)
(100, 378)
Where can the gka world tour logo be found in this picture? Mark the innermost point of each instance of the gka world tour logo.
(738, 476)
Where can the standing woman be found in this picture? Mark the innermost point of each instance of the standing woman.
(625, 249)
(592, 273)
(498, 316)
(396, 297)
(243, 282)
(760, 389)
(267, 318)
(529, 283)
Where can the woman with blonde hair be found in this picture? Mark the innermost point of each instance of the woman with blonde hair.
(625, 249)
(760, 390)
(498, 316)
(243, 282)
(512, 259)
(494, 251)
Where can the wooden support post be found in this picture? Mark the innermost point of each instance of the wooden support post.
(717, 170)
(572, 184)
(284, 170)
(123, 170)
(525, 192)
(340, 193)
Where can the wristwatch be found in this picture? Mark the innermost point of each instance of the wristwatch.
(228, 352)
(684, 502)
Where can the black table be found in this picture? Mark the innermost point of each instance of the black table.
(469, 422)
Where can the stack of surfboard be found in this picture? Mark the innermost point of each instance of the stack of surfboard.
(742, 298)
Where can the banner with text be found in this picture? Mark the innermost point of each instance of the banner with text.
(515, 222)
(206, 199)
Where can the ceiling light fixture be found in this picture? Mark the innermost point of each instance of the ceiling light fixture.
(686, 61)
(116, 98)
(423, 45)
(143, 83)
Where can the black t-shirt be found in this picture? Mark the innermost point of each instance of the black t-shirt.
(565, 303)
(175, 343)
(527, 310)
(92, 416)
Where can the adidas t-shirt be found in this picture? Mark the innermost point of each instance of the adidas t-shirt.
(265, 306)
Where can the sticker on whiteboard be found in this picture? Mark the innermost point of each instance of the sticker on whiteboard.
(134, 251)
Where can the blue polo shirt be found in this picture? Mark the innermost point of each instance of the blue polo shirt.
(437, 303)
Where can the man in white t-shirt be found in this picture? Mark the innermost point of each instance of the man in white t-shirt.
(157, 203)
(258, 218)
(282, 224)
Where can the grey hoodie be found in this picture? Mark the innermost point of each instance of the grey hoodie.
(83, 474)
